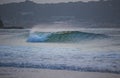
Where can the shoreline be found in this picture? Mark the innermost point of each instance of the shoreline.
(13, 72)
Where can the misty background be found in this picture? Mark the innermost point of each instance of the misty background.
(43, 1)
(26, 14)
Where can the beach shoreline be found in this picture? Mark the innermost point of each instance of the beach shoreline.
(13, 72)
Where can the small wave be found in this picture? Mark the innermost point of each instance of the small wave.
(58, 67)
(63, 36)
(60, 58)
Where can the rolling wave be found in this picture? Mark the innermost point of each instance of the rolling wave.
(63, 36)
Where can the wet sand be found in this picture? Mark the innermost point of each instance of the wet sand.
(11, 72)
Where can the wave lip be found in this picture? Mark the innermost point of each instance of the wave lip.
(38, 37)
(63, 36)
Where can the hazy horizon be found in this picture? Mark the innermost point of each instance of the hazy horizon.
(43, 1)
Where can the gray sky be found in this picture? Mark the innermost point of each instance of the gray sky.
(42, 1)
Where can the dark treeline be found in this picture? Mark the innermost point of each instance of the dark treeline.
(29, 12)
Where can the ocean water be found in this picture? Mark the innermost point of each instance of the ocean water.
(83, 49)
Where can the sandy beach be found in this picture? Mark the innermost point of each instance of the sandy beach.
(10, 72)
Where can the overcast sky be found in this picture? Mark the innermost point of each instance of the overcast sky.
(42, 1)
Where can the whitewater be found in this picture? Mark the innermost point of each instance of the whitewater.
(90, 49)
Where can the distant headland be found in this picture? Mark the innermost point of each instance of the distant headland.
(12, 27)
(29, 13)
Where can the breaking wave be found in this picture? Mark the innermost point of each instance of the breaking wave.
(63, 36)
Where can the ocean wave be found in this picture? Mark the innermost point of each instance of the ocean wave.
(60, 58)
(63, 36)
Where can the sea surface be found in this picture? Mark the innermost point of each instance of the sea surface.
(81, 49)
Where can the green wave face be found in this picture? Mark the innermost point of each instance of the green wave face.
(64, 36)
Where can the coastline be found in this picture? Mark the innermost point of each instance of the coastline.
(12, 72)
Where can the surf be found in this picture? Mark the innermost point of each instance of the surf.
(64, 36)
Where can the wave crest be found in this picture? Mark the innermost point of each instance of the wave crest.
(63, 36)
